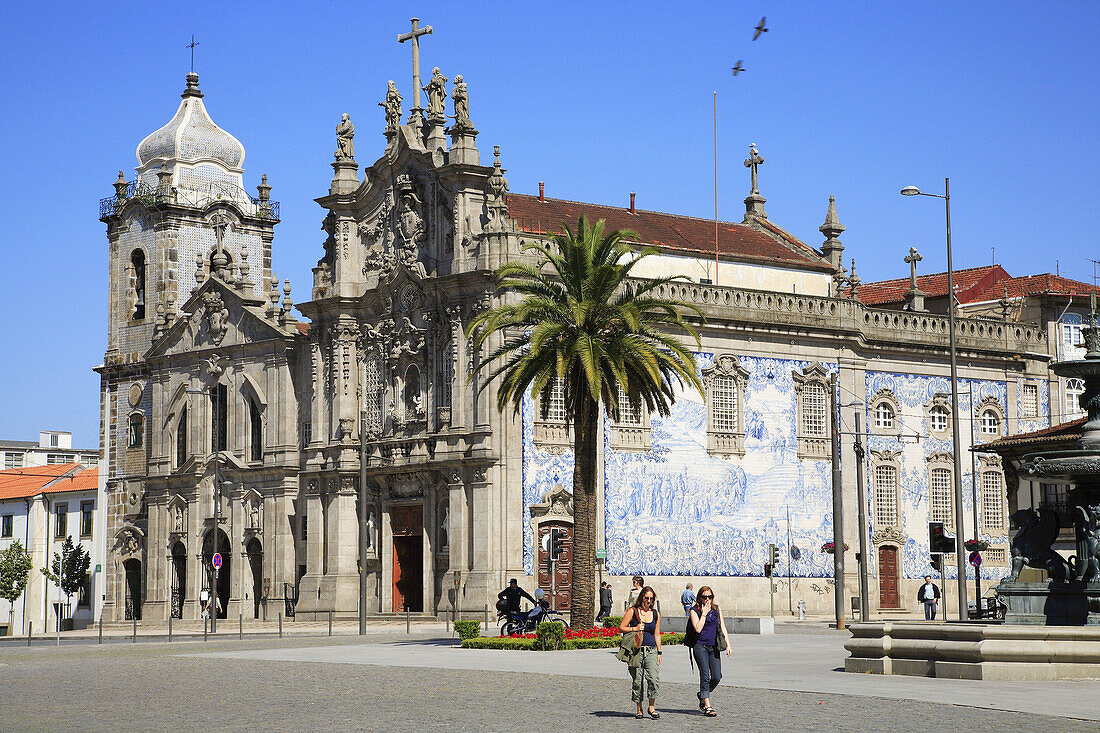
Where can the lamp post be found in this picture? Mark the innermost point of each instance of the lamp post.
(838, 508)
(861, 501)
(213, 601)
(957, 473)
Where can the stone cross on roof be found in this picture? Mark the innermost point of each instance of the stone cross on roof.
(414, 36)
(753, 161)
(912, 260)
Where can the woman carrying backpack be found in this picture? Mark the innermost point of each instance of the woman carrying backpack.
(707, 637)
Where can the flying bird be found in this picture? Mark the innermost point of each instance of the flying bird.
(760, 28)
(737, 69)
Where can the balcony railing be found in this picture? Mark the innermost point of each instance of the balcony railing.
(151, 197)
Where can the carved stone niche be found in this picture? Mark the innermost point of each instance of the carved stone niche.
(129, 542)
(253, 505)
(177, 517)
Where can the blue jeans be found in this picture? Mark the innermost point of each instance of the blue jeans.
(708, 658)
(929, 611)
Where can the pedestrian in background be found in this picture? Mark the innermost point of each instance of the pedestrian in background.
(605, 602)
(637, 581)
(707, 637)
(687, 598)
(929, 595)
(644, 620)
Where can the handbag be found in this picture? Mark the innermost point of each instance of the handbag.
(721, 643)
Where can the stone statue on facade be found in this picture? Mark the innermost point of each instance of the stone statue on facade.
(392, 106)
(437, 95)
(177, 513)
(345, 131)
(370, 530)
(462, 104)
(445, 526)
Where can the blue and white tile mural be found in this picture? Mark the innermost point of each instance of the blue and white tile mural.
(912, 438)
(677, 510)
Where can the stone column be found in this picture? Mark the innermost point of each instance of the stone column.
(484, 539)
(345, 379)
(343, 547)
(347, 259)
(457, 532)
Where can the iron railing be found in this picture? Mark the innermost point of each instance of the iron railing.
(151, 196)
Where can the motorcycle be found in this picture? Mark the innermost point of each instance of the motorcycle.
(521, 622)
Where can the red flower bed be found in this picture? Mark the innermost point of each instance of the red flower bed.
(600, 632)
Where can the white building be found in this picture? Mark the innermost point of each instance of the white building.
(54, 447)
(40, 507)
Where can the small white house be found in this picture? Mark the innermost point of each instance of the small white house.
(40, 506)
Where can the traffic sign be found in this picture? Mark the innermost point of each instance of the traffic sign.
(976, 558)
(216, 561)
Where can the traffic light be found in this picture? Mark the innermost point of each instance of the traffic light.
(773, 555)
(938, 542)
(555, 542)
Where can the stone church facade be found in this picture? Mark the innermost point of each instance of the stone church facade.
(213, 390)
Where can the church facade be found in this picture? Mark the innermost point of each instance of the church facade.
(232, 426)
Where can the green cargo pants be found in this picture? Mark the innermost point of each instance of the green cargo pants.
(646, 674)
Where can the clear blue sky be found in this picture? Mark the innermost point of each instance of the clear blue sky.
(597, 99)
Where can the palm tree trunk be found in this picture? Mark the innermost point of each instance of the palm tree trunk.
(585, 428)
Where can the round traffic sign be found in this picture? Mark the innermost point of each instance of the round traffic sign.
(216, 561)
(975, 558)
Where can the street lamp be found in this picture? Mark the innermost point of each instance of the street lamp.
(861, 504)
(960, 563)
(212, 601)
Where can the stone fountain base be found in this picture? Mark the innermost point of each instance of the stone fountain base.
(975, 651)
(1051, 604)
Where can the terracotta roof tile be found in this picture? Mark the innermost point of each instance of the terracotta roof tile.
(22, 483)
(670, 231)
(1054, 434)
(974, 285)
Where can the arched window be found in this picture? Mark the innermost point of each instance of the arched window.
(884, 416)
(256, 432)
(446, 375)
(993, 515)
(937, 418)
(886, 496)
(136, 432)
(940, 506)
(991, 422)
(411, 395)
(137, 263)
(372, 393)
(181, 439)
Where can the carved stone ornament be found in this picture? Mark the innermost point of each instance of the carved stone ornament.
(215, 316)
(888, 536)
(216, 366)
(407, 485)
(129, 542)
(481, 473)
(887, 455)
(557, 502)
(135, 394)
(991, 462)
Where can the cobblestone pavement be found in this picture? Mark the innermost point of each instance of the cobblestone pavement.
(156, 686)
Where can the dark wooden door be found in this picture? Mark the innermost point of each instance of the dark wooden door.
(888, 577)
(563, 567)
(408, 575)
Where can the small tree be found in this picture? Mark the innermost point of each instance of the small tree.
(15, 571)
(70, 569)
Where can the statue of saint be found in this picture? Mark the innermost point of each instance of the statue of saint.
(370, 530)
(345, 131)
(437, 95)
(462, 103)
(392, 106)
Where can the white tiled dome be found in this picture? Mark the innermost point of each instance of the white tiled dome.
(191, 135)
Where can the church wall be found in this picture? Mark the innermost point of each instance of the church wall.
(198, 241)
(737, 274)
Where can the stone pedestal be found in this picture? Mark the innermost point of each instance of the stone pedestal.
(436, 141)
(463, 149)
(1051, 604)
(345, 178)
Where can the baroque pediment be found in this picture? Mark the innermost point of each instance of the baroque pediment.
(215, 317)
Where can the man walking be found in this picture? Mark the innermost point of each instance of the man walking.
(605, 601)
(687, 599)
(929, 595)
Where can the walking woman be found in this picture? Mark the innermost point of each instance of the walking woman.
(706, 625)
(644, 620)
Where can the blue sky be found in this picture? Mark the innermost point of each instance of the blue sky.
(596, 99)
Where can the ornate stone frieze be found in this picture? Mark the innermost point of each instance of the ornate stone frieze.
(888, 536)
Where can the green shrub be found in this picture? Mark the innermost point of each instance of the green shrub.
(468, 629)
(549, 635)
(612, 622)
(672, 638)
(497, 642)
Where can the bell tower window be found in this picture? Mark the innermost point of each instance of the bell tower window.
(137, 275)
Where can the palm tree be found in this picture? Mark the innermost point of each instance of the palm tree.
(581, 324)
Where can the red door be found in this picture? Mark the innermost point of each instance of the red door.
(563, 565)
(888, 578)
(407, 524)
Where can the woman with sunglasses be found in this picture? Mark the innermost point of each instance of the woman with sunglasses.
(645, 621)
(706, 622)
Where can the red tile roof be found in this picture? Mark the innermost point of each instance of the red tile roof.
(23, 483)
(671, 231)
(974, 285)
(1067, 431)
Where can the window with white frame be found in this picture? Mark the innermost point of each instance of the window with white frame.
(1071, 334)
(990, 422)
(886, 496)
(724, 395)
(555, 409)
(940, 508)
(1074, 389)
(1029, 400)
(814, 410)
(13, 460)
(628, 414)
(993, 516)
(937, 418)
(884, 415)
(723, 403)
(53, 459)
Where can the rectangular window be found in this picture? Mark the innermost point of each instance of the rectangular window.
(723, 404)
(886, 496)
(940, 504)
(813, 410)
(1071, 334)
(87, 509)
(992, 503)
(1055, 497)
(556, 409)
(54, 459)
(13, 460)
(60, 521)
(84, 594)
(219, 404)
(7, 523)
(1029, 401)
(995, 555)
(303, 524)
(90, 460)
(307, 433)
(628, 414)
